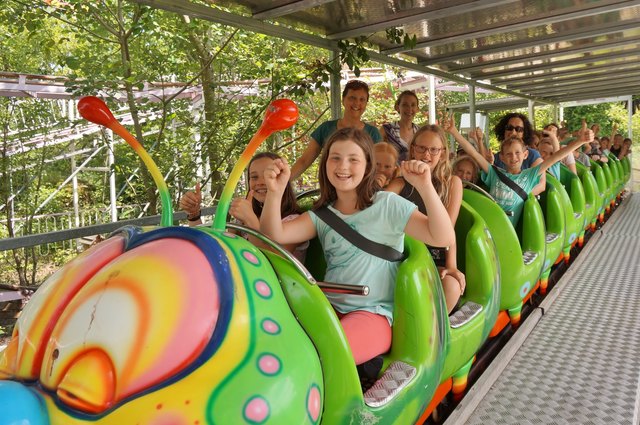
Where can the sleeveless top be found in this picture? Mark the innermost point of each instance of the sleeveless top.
(409, 193)
(392, 132)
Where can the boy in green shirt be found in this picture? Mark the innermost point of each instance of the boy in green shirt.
(513, 152)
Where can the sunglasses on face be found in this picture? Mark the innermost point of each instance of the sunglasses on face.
(517, 128)
(423, 149)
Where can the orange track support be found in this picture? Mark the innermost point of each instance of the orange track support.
(441, 392)
(502, 321)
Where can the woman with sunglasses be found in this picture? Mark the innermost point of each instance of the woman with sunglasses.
(517, 124)
(429, 145)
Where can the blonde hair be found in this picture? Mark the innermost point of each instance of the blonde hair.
(442, 172)
(512, 141)
(384, 147)
(546, 141)
(462, 158)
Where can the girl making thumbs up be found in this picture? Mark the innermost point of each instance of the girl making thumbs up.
(248, 210)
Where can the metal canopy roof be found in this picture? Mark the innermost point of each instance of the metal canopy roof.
(546, 50)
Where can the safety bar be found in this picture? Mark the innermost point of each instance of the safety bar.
(344, 288)
(286, 254)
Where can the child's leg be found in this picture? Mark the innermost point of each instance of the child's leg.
(452, 291)
(369, 334)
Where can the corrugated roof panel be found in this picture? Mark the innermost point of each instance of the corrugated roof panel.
(495, 40)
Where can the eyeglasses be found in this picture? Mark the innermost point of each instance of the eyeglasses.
(423, 149)
(517, 128)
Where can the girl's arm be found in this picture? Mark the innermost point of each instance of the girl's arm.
(450, 128)
(190, 203)
(435, 230)
(455, 199)
(298, 230)
(552, 133)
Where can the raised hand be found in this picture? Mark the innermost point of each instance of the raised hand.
(381, 179)
(277, 175)
(585, 134)
(190, 202)
(449, 125)
(480, 135)
(552, 131)
(417, 173)
(242, 209)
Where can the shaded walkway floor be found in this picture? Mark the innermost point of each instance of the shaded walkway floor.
(577, 360)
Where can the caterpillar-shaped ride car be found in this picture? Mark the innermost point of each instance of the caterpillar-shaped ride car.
(174, 325)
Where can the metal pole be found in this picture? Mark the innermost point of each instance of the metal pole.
(472, 107)
(113, 199)
(629, 117)
(432, 100)
(336, 109)
(74, 185)
(532, 113)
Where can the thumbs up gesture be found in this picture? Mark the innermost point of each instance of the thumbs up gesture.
(191, 201)
(585, 134)
(242, 209)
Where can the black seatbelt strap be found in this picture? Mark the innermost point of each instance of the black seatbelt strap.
(374, 248)
(512, 185)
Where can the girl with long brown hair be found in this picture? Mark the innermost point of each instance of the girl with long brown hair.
(348, 188)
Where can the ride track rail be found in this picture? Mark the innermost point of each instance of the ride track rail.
(496, 353)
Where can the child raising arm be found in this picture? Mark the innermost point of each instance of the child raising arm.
(348, 188)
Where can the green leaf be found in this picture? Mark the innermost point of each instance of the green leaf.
(72, 62)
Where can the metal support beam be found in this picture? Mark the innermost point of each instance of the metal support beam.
(532, 113)
(219, 16)
(216, 15)
(629, 54)
(113, 199)
(551, 17)
(432, 100)
(595, 94)
(581, 33)
(288, 9)
(548, 55)
(572, 88)
(429, 12)
(336, 93)
(64, 183)
(472, 108)
(589, 79)
(630, 117)
(569, 73)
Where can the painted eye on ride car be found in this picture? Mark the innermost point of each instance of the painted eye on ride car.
(138, 321)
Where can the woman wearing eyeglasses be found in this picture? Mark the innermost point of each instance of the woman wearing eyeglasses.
(429, 145)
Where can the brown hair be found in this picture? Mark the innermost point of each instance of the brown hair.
(355, 85)
(441, 173)
(466, 158)
(510, 141)
(406, 93)
(289, 204)
(367, 187)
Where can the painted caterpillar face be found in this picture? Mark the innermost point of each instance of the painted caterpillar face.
(171, 326)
